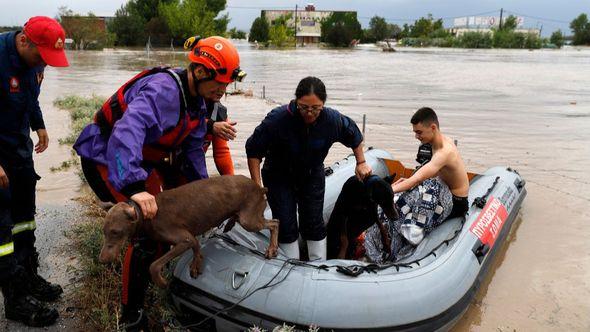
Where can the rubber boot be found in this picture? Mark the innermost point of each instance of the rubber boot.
(317, 250)
(290, 250)
(22, 307)
(38, 287)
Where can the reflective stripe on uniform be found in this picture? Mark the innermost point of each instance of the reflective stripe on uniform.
(6, 249)
(24, 226)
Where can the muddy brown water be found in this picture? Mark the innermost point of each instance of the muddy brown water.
(525, 109)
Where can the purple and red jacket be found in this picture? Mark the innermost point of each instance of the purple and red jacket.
(154, 108)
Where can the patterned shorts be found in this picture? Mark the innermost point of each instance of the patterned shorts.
(420, 211)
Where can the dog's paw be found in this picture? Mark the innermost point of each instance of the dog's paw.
(157, 278)
(271, 252)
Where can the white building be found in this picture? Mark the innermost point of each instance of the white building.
(309, 27)
(486, 24)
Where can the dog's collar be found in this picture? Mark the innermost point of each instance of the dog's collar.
(137, 209)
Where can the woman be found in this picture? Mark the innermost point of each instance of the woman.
(295, 140)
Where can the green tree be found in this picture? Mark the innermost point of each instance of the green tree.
(395, 31)
(341, 28)
(187, 18)
(259, 30)
(279, 33)
(510, 23)
(236, 34)
(581, 29)
(557, 38)
(87, 32)
(128, 26)
(422, 27)
(379, 29)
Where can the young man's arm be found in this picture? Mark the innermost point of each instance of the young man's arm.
(427, 171)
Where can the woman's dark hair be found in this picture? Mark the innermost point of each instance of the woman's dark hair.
(311, 85)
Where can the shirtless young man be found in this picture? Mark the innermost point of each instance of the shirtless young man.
(446, 162)
(435, 193)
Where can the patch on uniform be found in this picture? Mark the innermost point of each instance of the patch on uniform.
(59, 44)
(39, 77)
(14, 84)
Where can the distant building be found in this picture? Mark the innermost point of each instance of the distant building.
(309, 27)
(486, 24)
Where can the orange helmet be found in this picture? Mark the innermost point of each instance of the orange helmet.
(218, 55)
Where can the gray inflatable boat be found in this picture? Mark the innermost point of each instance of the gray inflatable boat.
(429, 290)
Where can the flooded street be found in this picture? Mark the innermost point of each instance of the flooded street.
(528, 110)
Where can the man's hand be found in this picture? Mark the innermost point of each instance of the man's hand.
(147, 203)
(395, 185)
(3, 179)
(225, 130)
(363, 170)
(43, 141)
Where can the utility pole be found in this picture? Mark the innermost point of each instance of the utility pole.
(541, 30)
(501, 12)
(295, 26)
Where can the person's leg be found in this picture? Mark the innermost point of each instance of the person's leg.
(460, 207)
(310, 198)
(424, 208)
(136, 278)
(281, 199)
(19, 305)
(23, 184)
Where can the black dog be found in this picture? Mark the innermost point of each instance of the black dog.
(356, 210)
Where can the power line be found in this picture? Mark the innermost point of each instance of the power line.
(538, 18)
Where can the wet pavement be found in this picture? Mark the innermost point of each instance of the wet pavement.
(528, 110)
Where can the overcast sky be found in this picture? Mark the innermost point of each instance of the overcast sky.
(552, 14)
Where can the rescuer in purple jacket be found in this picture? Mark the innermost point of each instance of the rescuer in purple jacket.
(148, 137)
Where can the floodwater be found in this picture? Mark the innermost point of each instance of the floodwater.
(526, 109)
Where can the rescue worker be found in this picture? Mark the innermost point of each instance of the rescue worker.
(149, 137)
(23, 57)
(219, 131)
(295, 139)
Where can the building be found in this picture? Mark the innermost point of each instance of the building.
(309, 28)
(485, 24)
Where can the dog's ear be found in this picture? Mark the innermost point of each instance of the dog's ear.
(130, 212)
(390, 178)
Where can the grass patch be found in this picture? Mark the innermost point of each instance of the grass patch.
(97, 292)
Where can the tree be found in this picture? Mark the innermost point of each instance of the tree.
(279, 33)
(581, 29)
(379, 29)
(510, 23)
(395, 31)
(86, 31)
(259, 30)
(557, 38)
(341, 28)
(234, 33)
(187, 18)
(422, 27)
(128, 26)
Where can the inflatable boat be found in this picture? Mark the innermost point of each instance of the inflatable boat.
(429, 290)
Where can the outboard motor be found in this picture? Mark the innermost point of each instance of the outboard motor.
(424, 155)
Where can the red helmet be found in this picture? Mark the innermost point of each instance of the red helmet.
(218, 55)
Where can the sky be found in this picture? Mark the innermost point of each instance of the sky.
(550, 14)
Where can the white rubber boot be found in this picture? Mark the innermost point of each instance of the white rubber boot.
(317, 250)
(291, 250)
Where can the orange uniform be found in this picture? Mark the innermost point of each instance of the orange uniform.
(221, 153)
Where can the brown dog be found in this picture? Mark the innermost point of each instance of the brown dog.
(187, 211)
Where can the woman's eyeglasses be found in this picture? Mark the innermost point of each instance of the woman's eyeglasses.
(310, 109)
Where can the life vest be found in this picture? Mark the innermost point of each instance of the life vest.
(114, 108)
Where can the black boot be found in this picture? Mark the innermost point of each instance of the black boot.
(38, 287)
(134, 320)
(22, 307)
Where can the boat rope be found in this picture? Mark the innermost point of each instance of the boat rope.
(353, 270)
(269, 284)
(481, 201)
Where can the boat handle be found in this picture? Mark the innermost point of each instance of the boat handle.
(237, 284)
